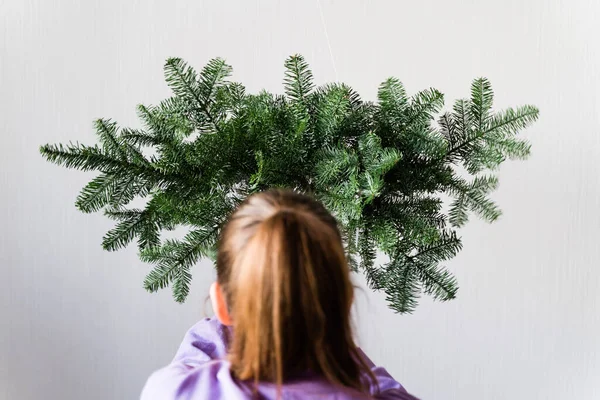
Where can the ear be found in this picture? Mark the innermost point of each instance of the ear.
(219, 304)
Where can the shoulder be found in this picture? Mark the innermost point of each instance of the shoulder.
(385, 386)
(178, 381)
(199, 368)
(206, 340)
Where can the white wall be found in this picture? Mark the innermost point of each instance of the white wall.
(76, 323)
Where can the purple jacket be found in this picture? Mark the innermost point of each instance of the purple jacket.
(200, 371)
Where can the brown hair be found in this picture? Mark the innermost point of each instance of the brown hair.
(284, 274)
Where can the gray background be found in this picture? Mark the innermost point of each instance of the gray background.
(76, 323)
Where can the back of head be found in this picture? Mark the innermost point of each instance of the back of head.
(282, 267)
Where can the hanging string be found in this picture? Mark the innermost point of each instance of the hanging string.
(327, 38)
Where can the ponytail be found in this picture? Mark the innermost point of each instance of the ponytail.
(283, 269)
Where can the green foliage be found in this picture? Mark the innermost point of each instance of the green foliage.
(381, 168)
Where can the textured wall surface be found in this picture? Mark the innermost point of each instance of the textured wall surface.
(76, 323)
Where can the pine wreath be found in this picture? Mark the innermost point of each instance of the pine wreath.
(382, 168)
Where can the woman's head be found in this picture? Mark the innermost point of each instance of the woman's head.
(284, 285)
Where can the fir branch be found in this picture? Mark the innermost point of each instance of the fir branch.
(90, 158)
(123, 193)
(82, 157)
(482, 98)
(96, 194)
(437, 282)
(402, 292)
(508, 122)
(446, 247)
(125, 231)
(392, 95)
(184, 82)
(511, 121)
(473, 197)
(423, 106)
(174, 260)
(463, 128)
(107, 132)
(366, 249)
(515, 149)
(298, 81)
(332, 105)
(213, 76)
(448, 129)
(140, 138)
